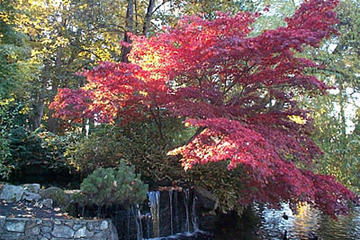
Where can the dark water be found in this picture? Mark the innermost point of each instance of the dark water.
(272, 225)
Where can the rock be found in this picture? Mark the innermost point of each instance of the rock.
(60, 198)
(30, 224)
(69, 223)
(31, 197)
(104, 225)
(92, 226)
(47, 235)
(48, 203)
(2, 223)
(11, 236)
(15, 226)
(100, 236)
(33, 231)
(114, 234)
(11, 193)
(46, 229)
(47, 223)
(206, 200)
(77, 226)
(34, 188)
(63, 231)
(80, 233)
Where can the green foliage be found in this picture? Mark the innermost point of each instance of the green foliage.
(11, 116)
(39, 148)
(146, 149)
(100, 149)
(334, 114)
(21, 148)
(341, 156)
(138, 142)
(108, 186)
(14, 54)
(225, 184)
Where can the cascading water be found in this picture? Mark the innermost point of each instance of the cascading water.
(176, 210)
(171, 211)
(177, 213)
(154, 203)
(186, 203)
(139, 228)
(148, 226)
(128, 223)
(194, 217)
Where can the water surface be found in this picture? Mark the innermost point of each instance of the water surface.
(272, 225)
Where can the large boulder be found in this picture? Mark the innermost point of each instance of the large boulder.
(31, 197)
(11, 193)
(34, 187)
(47, 203)
(60, 198)
(207, 201)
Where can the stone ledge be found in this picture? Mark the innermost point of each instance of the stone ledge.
(45, 229)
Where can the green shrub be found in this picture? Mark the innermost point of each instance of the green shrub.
(109, 186)
(99, 149)
(37, 153)
(139, 143)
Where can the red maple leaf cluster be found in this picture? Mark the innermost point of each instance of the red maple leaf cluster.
(238, 90)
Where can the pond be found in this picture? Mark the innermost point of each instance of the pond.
(272, 225)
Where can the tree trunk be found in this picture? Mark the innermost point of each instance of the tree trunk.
(148, 15)
(53, 123)
(38, 111)
(129, 28)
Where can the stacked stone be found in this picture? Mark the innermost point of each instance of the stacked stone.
(56, 229)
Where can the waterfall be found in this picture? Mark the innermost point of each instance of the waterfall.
(148, 225)
(180, 217)
(128, 223)
(176, 212)
(171, 212)
(186, 203)
(194, 217)
(139, 229)
(154, 202)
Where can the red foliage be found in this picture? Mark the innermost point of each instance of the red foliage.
(238, 90)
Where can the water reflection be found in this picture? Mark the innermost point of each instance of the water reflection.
(306, 219)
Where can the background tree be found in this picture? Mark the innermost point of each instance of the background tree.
(335, 114)
(15, 74)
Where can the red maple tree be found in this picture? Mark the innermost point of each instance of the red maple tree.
(238, 90)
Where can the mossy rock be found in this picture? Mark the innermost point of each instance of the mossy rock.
(60, 198)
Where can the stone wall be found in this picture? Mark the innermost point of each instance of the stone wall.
(56, 229)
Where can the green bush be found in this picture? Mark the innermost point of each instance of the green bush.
(99, 149)
(109, 186)
(11, 116)
(39, 149)
(139, 143)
